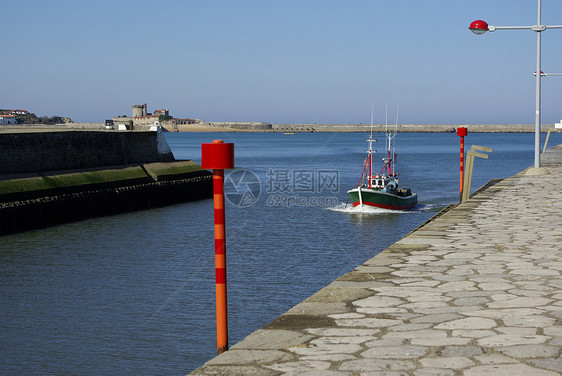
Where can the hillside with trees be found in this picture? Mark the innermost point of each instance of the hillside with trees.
(31, 118)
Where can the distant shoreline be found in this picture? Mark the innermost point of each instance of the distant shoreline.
(409, 128)
(294, 128)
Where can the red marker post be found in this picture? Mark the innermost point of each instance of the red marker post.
(461, 132)
(219, 156)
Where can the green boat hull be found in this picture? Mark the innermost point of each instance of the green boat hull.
(380, 199)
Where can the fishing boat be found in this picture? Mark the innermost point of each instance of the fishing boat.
(381, 190)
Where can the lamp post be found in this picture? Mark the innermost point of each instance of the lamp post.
(479, 27)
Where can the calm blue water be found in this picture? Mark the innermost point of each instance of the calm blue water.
(134, 293)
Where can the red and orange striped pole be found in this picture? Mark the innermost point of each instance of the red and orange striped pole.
(461, 132)
(218, 156)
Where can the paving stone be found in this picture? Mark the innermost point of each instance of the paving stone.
(551, 364)
(516, 330)
(512, 340)
(364, 365)
(450, 363)
(434, 372)
(536, 321)
(450, 341)
(507, 370)
(368, 322)
(472, 333)
(300, 366)
(329, 357)
(530, 351)
(385, 310)
(342, 332)
(495, 358)
(501, 313)
(326, 348)
(385, 342)
(553, 331)
(378, 301)
(470, 301)
(468, 323)
(406, 327)
(395, 352)
(436, 318)
(491, 286)
(465, 351)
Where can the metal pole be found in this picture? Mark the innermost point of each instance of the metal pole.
(538, 94)
(218, 156)
(461, 168)
(220, 261)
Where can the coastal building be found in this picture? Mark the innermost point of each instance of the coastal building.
(141, 119)
(8, 119)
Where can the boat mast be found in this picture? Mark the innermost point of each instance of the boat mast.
(370, 151)
(369, 178)
(388, 167)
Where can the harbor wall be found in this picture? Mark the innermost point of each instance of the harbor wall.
(36, 200)
(23, 152)
(53, 177)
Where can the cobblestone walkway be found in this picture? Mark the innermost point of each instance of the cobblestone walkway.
(477, 291)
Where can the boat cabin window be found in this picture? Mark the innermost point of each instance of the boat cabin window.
(377, 183)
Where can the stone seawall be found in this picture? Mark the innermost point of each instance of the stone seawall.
(53, 177)
(29, 201)
(49, 151)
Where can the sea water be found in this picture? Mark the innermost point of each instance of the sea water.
(134, 293)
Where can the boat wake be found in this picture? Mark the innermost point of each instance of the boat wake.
(370, 210)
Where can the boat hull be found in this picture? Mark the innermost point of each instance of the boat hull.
(380, 199)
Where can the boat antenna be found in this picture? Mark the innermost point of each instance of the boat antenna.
(386, 118)
(395, 134)
(372, 111)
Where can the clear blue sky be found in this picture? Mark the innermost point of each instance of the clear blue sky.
(305, 61)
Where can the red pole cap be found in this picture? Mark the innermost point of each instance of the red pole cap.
(218, 155)
(462, 131)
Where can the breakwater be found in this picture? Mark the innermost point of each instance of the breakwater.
(410, 128)
(51, 151)
(48, 178)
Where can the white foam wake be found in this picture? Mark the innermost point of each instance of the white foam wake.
(371, 210)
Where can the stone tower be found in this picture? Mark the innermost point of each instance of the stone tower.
(139, 110)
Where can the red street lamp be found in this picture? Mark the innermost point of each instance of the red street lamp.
(479, 27)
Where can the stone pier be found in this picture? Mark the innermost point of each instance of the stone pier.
(476, 291)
